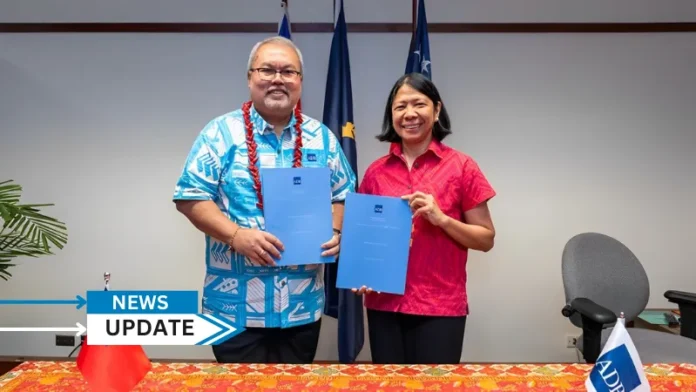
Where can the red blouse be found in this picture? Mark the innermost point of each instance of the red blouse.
(436, 276)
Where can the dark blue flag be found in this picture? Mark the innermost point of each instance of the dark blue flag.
(342, 304)
(419, 51)
(284, 29)
(284, 25)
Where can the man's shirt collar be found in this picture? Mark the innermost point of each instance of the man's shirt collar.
(262, 127)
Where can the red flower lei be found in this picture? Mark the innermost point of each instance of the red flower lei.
(251, 146)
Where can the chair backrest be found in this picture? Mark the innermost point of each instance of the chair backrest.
(599, 267)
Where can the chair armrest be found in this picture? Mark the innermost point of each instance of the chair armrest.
(687, 308)
(590, 309)
(594, 317)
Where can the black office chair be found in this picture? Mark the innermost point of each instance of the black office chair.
(601, 279)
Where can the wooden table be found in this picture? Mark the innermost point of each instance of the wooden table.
(64, 376)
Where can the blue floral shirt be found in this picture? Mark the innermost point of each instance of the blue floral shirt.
(216, 169)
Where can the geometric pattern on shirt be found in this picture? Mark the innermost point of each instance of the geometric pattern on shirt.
(216, 169)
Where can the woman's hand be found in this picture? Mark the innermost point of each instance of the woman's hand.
(363, 290)
(426, 205)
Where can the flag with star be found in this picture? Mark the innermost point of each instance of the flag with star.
(419, 51)
(341, 304)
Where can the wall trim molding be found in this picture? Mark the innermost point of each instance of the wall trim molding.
(433, 28)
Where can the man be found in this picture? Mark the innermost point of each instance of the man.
(219, 191)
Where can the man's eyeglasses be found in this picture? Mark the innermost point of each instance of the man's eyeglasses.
(270, 73)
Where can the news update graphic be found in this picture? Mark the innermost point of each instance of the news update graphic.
(145, 318)
(149, 318)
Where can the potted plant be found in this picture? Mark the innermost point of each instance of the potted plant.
(25, 231)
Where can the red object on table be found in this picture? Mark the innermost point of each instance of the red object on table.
(113, 368)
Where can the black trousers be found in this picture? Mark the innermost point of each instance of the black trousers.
(397, 338)
(297, 345)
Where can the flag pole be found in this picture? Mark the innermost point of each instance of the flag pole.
(414, 24)
(414, 11)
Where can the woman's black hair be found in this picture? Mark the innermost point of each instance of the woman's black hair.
(425, 86)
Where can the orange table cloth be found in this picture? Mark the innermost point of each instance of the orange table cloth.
(180, 377)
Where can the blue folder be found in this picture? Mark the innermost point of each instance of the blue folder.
(297, 210)
(375, 243)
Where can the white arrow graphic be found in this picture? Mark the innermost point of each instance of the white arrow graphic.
(79, 330)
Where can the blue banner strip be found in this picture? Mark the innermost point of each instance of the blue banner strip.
(142, 302)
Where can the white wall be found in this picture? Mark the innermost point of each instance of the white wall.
(575, 132)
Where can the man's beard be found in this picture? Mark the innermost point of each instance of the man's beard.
(277, 103)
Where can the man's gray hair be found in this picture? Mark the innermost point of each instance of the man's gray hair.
(275, 40)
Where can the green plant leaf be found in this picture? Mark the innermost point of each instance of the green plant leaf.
(25, 230)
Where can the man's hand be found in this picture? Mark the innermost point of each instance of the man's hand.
(259, 246)
(332, 246)
(426, 205)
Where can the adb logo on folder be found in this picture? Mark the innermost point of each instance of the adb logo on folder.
(297, 180)
(378, 208)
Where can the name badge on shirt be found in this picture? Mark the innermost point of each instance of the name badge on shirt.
(268, 160)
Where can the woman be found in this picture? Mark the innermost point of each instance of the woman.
(448, 195)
